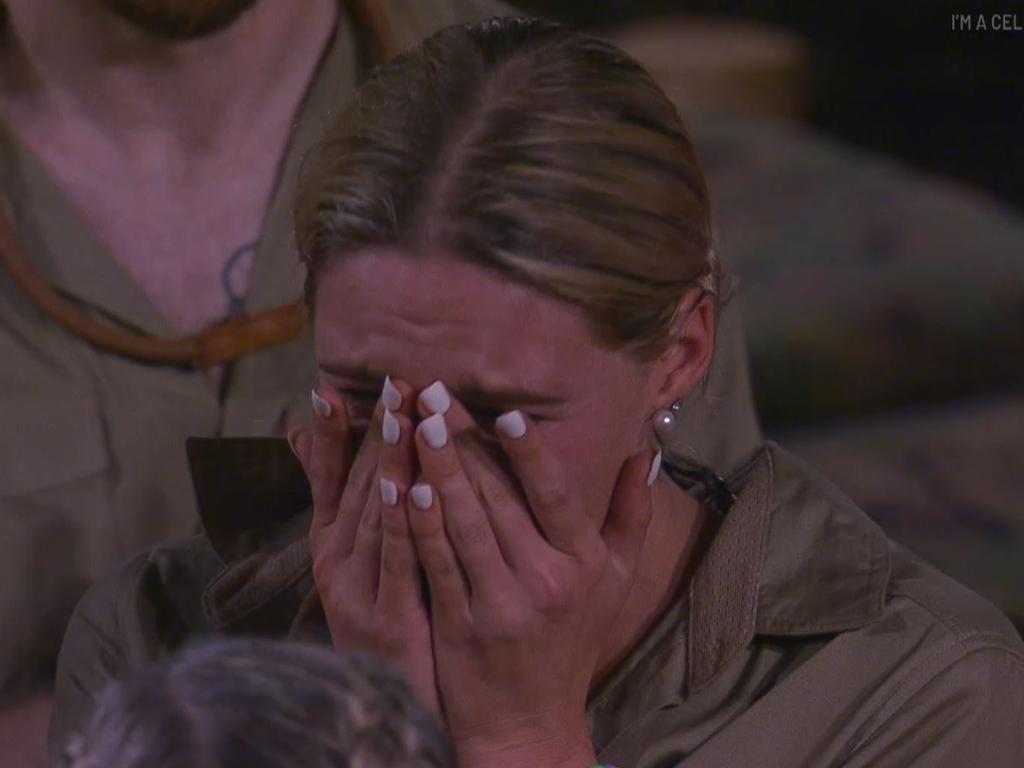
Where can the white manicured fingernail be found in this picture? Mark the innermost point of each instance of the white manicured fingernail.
(435, 432)
(422, 496)
(655, 469)
(391, 397)
(388, 492)
(392, 429)
(321, 407)
(435, 398)
(511, 424)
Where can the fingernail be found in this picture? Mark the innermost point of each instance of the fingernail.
(511, 424)
(388, 492)
(435, 398)
(422, 496)
(391, 397)
(655, 469)
(321, 407)
(392, 429)
(293, 440)
(435, 432)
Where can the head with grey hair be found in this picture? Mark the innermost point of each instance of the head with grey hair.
(260, 704)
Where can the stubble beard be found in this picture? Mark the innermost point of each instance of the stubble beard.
(179, 19)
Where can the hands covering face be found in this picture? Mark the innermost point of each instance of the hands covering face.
(524, 582)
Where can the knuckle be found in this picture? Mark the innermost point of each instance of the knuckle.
(381, 633)
(438, 563)
(555, 495)
(395, 524)
(323, 568)
(594, 556)
(389, 639)
(447, 472)
(392, 564)
(348, 507)
(426, 525)
(474, 533)
(551, 590)
(497, 495)
(507, 621)
(370, 522)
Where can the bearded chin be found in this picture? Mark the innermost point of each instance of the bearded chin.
(179, 19)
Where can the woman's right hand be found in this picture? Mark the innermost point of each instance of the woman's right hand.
(364, 561)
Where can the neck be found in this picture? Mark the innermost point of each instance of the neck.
(78, 61)
(677, 538)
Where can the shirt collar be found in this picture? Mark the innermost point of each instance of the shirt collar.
(249, 491)
(793, 557)
(254, 503)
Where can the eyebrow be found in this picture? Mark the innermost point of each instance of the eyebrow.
(470, 393)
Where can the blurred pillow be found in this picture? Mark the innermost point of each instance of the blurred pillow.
(862, 283)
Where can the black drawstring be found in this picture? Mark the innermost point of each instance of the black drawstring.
(707, 486)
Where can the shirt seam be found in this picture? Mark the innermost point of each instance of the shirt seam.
(949, 623)
(967, 641)
(904, 687)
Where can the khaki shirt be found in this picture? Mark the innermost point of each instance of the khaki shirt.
(92, 461)
(805, 637)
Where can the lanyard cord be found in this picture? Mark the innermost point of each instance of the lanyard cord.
(222, 343)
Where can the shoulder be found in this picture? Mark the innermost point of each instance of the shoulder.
(963, 617)
(931, 665)
(141, 612)
(835, 538)
(160, 586)
(953, 637)
(956, 687)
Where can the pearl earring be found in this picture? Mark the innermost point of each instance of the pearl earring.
(665, 420)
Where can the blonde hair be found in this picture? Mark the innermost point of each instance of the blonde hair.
(522, 145)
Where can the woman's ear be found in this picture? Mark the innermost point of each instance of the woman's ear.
(685, 362)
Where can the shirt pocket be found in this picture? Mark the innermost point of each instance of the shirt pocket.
(48, 440)
(55, 523)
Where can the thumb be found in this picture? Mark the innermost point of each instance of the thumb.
(325, 451)
(629, 514)
(301, 441)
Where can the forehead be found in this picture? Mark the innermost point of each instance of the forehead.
(427, 317)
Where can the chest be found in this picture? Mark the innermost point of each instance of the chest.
(188, 243)
(182, 223)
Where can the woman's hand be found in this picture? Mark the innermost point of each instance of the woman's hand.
(520, 615)
(364, 561)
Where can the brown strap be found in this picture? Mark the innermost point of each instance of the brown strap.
(224, 343)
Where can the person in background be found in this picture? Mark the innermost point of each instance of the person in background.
(248, 703)
(148, 151)
(515, 294)
(148, 155)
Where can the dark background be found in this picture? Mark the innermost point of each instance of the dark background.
(891, 76)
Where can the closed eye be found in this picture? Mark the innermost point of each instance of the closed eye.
(485, 417)
(360, 404)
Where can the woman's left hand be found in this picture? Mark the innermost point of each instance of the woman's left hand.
(520, 615)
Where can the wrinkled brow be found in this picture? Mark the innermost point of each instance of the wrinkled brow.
(471, 393)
